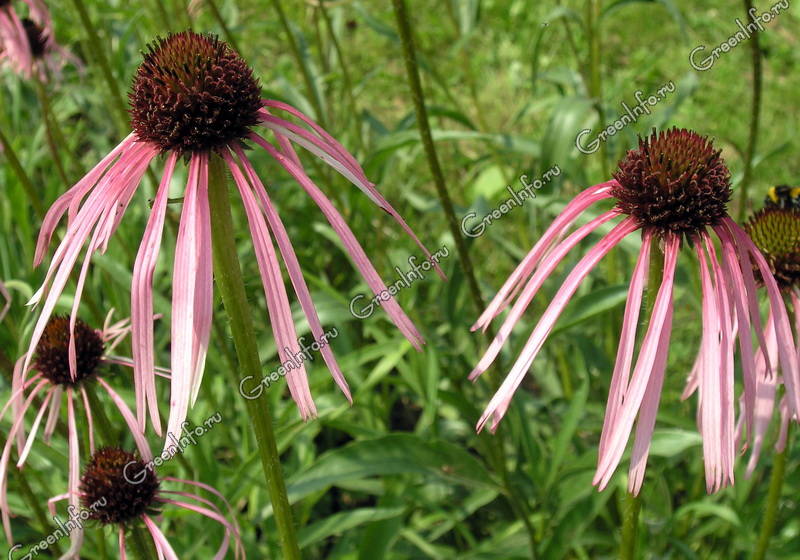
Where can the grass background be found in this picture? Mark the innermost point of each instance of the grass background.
(401, 474)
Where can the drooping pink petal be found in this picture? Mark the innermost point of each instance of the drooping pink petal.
(766, 385)
(4, 460)
(502, 398)
(74, 475)
(89, 420)
(294, 270)
(231, 526)
(142, 303)
(725, 373)
(223, 549)
(280, 311)
(627, 341)
(350, 242)
(647, 414)
(786, 346)
(186, 331)
(122, 554)
(645, 364)
(162, 544)
(543, 271)
(559, 226)
(99, 205)
(130, 420)
(34, 430)
(735, 280)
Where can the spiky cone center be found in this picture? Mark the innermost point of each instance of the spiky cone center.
(37, 38)
(193, 93)
(776, 232)
(118, 487)
(675, 181)
(52, 352)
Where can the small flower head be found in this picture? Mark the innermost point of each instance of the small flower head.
(37, 37)
(674, 182)
(193, 93)
(776, 232)
(52, 352)
(113, 489)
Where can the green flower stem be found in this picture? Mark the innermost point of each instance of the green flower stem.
(633, 504)
(595, 77)
(773, 501)
(755, 117)
(228, 275)
(517, 503)
(141, 545)
(49, 130)
(19, 171)
(313, 92)
(98, 51)
(412, 69)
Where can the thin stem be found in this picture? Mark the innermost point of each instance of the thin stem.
(313, 92)
(595, 78)
(24, 179)
(518, 504)
(412, 69)
(228, 276)
(773, 501)
(633, 504)
(52, 143)
(755, 116)
(630, 525)
(224, 26)
(99, 52)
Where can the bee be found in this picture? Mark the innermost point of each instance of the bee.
(783, 196)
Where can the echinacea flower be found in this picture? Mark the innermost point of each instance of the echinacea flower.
(48, 378)
(119, 488)
(194, 98)
(673, 189)
(25, 40)
(775, 230)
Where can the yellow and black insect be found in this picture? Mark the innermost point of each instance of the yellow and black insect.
(783, 196)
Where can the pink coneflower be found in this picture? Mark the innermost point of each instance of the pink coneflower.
(674, 188)
(27, 42)
(194, 98)
(49, 378)
(119, 488)
(776, 233)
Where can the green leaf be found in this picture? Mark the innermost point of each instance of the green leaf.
(395, 454)
(338, 523)
(592, 304)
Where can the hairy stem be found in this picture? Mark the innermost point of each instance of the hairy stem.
(228, 276)
(633, 504)
(773, 501)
